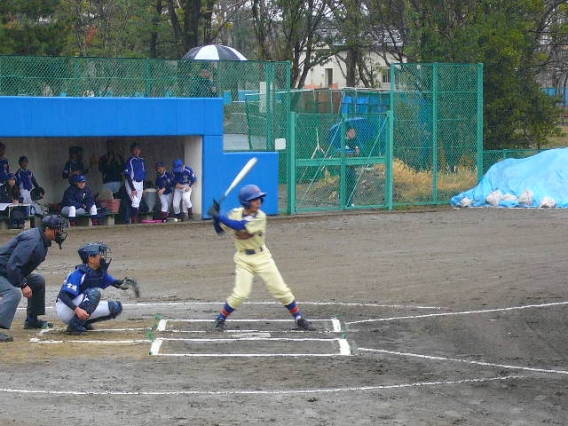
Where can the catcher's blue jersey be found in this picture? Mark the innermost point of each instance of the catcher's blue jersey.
(85, 277)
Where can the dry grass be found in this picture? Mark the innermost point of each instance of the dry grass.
(411, 185)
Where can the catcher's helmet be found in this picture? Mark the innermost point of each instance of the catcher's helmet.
(92, 249)
(249, 193)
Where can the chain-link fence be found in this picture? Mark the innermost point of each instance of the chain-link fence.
(438, 130)
(123, 77)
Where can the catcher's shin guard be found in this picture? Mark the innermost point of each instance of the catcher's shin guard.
(115, 308)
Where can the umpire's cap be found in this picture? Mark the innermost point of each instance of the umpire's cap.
(53, 221)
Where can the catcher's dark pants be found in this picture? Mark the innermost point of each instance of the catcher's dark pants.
(10, 297)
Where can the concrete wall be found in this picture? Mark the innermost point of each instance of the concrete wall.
(43, 129)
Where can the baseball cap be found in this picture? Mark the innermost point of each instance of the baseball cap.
(135, 145)
(160, 164)
(22, 159)
(10, 176)
(79, 178)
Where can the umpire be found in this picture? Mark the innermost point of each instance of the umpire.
(18, 259)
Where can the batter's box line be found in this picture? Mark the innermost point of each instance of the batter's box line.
(162, 325)
(344, 347)
(465, 361)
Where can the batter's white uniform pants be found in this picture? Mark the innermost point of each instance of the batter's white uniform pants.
(65, 314)
(183, 196)
(139, 187)
(260, 264)
(165, 202)
(72, 211)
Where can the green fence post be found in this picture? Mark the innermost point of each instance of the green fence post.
(292, 165)
(435, 143)
(270, 95)
(389, 163)
(480, 122)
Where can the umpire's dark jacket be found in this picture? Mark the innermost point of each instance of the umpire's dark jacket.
(22, 255)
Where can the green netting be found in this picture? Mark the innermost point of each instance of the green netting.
(437, 130)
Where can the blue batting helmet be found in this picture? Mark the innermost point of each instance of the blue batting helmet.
(249, 193)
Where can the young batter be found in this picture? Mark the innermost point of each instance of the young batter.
(252, 257)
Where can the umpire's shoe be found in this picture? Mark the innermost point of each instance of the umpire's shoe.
(5, 338)
(37, 323)
(219, 324)
(304, 324)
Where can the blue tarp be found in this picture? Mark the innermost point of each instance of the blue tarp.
(537, 181)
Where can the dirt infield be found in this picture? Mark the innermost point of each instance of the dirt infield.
(449, 317)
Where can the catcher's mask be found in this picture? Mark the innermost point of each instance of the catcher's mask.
(249, 193)
(58, 223)
(93, 249)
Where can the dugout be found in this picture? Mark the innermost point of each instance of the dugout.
(43, 129)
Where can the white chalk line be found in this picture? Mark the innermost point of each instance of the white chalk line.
(447, 359)
(264, 392)
(471, 312)
(260, 303)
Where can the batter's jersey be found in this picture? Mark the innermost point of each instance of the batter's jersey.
(252, 238)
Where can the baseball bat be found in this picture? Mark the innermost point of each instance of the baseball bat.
(240, 176)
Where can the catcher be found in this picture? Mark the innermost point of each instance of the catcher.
(79, 301)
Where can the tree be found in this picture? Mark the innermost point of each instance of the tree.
(500, 34)
(27, 27)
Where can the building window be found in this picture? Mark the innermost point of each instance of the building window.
(328, 77)
(386, 78)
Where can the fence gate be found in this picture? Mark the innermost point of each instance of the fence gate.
(340, 162)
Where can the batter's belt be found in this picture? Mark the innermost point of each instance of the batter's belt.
(250, 252)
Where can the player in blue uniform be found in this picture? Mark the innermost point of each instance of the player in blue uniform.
(79, 301)
(26, 181)
(184, 178)
(135, 174)
(79, 199)
(74, 167)
(4, 164)
(164, 184)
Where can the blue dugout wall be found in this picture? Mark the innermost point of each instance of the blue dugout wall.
(199, 121)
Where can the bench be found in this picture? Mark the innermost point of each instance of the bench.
(29, 222)
(107, 219)
(6, 209)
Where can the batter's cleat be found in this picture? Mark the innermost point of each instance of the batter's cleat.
(37, 324)
(5, 338)
(219, 324)
(304, 324)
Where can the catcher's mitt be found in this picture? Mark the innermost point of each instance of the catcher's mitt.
(127, 283)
